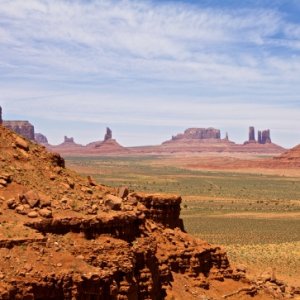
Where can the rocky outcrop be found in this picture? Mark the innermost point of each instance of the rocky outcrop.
(68, 140)
(263, 137)
(40, 138)
(164, 209)
(67, 238)
(259, 140)
(266, 137)
(23, 128)
(291, 156)
(251, 134)
(108, 134)
(106, 147)
(67, 145)
(199, 134)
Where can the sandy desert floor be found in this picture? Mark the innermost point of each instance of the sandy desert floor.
(248, 203)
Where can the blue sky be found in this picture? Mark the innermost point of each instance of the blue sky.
(150, 69)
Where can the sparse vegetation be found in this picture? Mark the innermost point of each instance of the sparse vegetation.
(255, 216)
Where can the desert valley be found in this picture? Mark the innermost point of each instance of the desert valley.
(149, 150)
(145, 222)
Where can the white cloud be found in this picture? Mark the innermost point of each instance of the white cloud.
(152, 63)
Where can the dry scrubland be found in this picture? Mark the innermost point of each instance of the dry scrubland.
(256, 216)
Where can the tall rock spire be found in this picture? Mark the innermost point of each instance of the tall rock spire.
(1, 120)
(251, 134)
(108, 134)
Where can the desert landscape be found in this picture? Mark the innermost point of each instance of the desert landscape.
(140, 226)
(149, 150)
(246, 203)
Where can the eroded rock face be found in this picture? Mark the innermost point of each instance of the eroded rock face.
(291, 156)
(68, 238)
(266, 137)
(1, 120)
(263, 137)
(40, 138)
(199, 133)
(259, 140)
(252, 134)
(23, 128)
(108, 134)
(68, 140)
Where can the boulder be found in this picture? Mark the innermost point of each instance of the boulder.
(123, 192)
(45, 213)
(21, 143)
(32, 214)
(113, 202)
(32, 198)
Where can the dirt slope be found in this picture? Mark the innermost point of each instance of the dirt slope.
(292, 155)
(64, 237)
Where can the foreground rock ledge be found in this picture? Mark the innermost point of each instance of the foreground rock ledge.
(65, 237)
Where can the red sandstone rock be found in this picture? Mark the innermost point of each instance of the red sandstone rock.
(40, 138)
(89, 251)
(108, 134)
(198, 133)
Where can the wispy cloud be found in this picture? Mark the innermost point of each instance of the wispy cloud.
(143, 58)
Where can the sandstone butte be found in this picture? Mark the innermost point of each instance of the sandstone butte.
(107, 146)
(63, 236)
(192, 140)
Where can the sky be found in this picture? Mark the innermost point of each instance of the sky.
(151, 69)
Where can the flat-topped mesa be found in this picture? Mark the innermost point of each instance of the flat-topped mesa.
(23, 128)
(198, 134)
(40, 138)
(108, 134)
(68, 140)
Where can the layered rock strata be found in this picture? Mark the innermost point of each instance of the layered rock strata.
(74, 239)
(199, 134)
(41, 139)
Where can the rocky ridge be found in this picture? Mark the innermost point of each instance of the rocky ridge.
(192, 140)
(291, 156)
(66, 237)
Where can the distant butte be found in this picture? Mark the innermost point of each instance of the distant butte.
(41, 139)
(198, 134)
(106, 146)
(263, 137)
(195, 140)
(192, 140)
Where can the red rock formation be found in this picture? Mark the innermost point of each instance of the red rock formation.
(265, 137)
(67, 238)
(108, 134)
(226, 137)
(40, 138)
(67, 143)
(199, 134)
(291, 156)
(251, 134)
(259, 140)
(23, 128)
